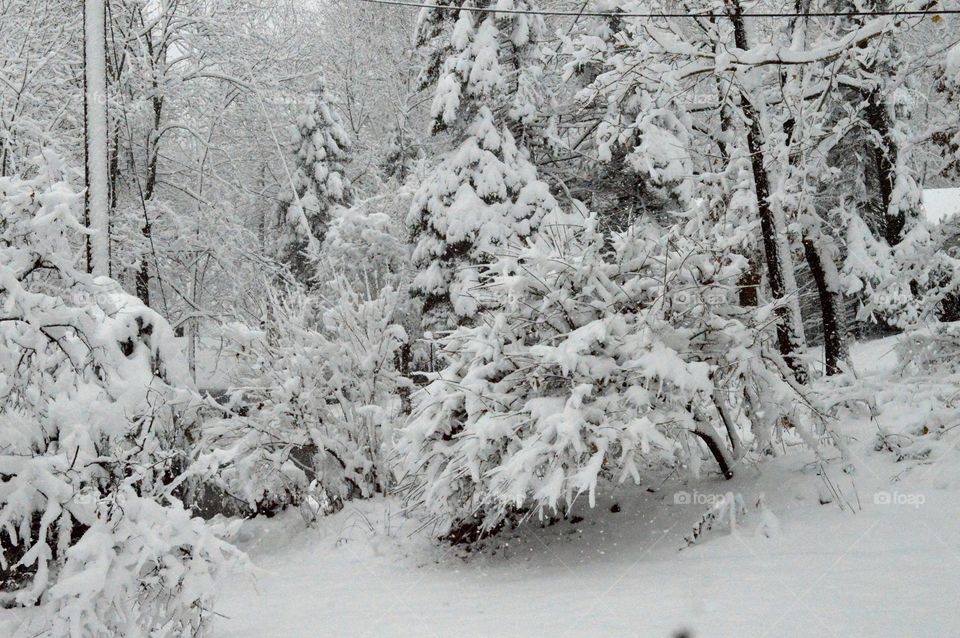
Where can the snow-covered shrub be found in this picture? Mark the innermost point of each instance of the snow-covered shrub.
(916, 416)
(322, 393)
(94, 433)
(366, 247)
(908, 284)
(319, 385)
(606, 354)
(933, 349)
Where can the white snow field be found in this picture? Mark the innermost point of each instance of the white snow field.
(880, 558)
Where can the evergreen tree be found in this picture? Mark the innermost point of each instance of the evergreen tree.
(484, 196)
(317, 184)
(637, 130)
(477, 205)
(475, 59)
(894, 266)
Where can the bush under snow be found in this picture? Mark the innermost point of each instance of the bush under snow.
(94, 427)
(601, 359)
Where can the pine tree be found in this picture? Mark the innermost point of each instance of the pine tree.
(481, 201)
(890, 264)
(316, 186)
(638, 129)
(475, 59)
(484, 197)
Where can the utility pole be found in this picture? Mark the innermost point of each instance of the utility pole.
(96, 198)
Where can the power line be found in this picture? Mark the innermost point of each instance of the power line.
(624, 14)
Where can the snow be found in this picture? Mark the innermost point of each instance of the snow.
(940, 204)
(620, 574)
(214, 365)
(419, 322)
(877, 561)
(873, 357)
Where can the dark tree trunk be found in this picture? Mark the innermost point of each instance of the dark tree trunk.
(87, 242)
(884, 157)
(831, 309)
(157, 58)
(143, 274)
(719, 453)
(787, 339)
(830, 298)
(749, 285)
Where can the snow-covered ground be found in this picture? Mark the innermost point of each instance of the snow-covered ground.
(881, 558)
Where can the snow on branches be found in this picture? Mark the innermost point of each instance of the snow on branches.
(478, 204)
(602, 357)
(475, 59)
(315, 187)
(94, 422)
(320, 393)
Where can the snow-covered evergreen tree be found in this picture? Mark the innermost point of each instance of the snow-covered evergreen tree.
(639, 131)
(317, 184)
(481, 58)
(476, 206)
(892, 262)
(485, 196)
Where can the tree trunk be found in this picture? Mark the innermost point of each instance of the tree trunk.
(749, 285)
(884, 159)
(157, 60)
(820, 261)
(831, 304)
(779, 264)
(719, 452)
(143, 273)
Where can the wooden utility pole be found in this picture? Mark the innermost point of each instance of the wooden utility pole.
(96, 198)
